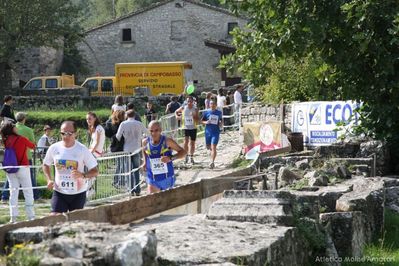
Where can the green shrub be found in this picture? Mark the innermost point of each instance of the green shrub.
(55, 118)
(21, 255)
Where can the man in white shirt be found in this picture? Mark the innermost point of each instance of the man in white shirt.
(238, 102)
(70, 158)
(133, 132)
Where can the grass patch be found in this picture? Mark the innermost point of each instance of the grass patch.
(240, 162)
(41, 210)
(385, 251)
(22, 255)
(301, 183)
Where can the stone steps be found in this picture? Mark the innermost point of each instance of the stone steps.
(354, 161)
(265, 207)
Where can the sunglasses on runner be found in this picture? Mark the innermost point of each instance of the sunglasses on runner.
(155, 130)
(67, 133)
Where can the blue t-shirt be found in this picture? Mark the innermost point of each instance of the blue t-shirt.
(215, 117)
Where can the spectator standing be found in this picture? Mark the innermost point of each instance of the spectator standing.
(45, 141)
(97, 134)
(158, 158)
(150, 113)
(111, 128)
(27, 132)
(208, 100)
(172, 106)
(220, 100)
(212, 119)
(70, 158)
(130, 106)
(11, 139)
(118, 104)
(230, 97)
(7, 112)
(97, 141)
(238, 103)
(132, 131)
(189, 116)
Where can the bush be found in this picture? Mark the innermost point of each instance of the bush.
(296, 80)
(55, 118)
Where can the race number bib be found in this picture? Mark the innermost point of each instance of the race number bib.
(67, 184)
(214, 119)
(189, 121)
(158, 167)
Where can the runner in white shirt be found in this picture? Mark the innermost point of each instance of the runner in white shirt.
(189, 116)
(70, 158)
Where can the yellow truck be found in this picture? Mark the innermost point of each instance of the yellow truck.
(152, 78)
(51, 82)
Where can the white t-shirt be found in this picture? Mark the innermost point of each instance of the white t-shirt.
(44, 141)
(133, 132)
(101, 141)
(237, 97)
(220, 101)
(66, 160)
(116, 107)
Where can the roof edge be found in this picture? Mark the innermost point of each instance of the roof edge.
(158, 4)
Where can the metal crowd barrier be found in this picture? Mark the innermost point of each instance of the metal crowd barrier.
(115, 169)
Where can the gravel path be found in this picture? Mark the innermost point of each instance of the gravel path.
(229, 147)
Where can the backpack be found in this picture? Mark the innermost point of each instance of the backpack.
(10, 159)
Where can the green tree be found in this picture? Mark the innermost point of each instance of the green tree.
(123, 7)
(98, 12)
(357, 42)
(33, 23)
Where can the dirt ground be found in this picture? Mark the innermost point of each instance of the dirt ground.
(229, 147)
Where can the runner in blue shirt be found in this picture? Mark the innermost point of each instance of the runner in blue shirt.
(158, 158)
(212, 119)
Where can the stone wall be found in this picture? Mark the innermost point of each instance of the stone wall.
(173, 31)
(260, 112)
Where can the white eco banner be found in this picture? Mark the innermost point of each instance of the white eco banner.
(318, 121)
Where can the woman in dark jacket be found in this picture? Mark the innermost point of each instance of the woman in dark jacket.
(111, 128)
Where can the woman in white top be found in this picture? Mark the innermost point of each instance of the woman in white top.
(118, 104)
(97, 134)
(208, 100)
(221, 100)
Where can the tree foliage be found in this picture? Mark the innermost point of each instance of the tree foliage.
(353, 43)
(34, 23)
(27, 23)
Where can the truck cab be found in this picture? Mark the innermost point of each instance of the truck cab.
(50, 82)
(100, 85)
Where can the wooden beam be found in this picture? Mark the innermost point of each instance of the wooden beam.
(139, 208)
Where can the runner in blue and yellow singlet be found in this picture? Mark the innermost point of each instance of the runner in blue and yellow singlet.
(158, 158)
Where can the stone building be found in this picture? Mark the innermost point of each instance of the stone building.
(173, 30)
(35, 61)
